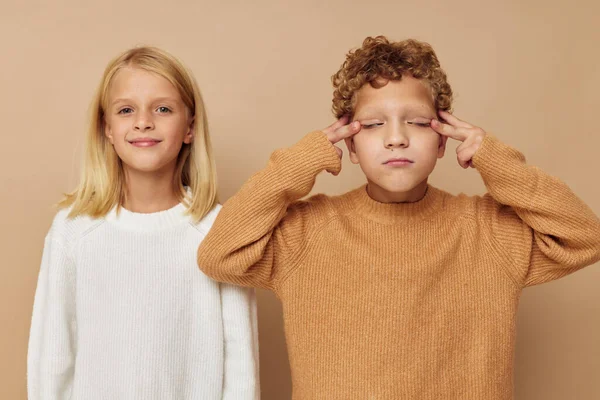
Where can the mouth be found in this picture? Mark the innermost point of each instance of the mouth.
(400, 161)
(144, 142)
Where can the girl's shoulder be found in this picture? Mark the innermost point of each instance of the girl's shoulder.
(67, 229)
(204, 225)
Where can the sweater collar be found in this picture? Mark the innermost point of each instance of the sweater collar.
(146, 222)
(364, 205)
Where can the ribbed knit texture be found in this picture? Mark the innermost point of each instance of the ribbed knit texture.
(400, 301)
(121, 312)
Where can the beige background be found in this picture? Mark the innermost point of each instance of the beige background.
(527, 71)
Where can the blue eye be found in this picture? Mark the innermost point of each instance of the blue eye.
(125, 110)
(163, 109)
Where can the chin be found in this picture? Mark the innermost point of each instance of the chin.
(399, 188)
(145, 167)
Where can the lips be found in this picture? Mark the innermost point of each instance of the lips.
(144, 142)
(399, 161)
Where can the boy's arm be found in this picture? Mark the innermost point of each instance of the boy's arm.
(52, 337)
(258, 236)
(534, 219)
(240, 331)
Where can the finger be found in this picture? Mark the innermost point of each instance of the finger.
(344, 132)
(462, 162)
(339, 151)
(462, 147)
(468, 145)
(452, 120)
(337, 124)
(466, 156)
(449, 130)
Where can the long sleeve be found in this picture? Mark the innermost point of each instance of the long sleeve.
(535, 221)
(260, 232)
(52, 339)
(241, 379)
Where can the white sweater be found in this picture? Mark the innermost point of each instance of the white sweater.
(122, 312)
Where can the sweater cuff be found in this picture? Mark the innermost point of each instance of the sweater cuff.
(503, 167)
(493, 156)
(315, 152)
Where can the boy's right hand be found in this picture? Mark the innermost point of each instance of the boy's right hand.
(341, 130)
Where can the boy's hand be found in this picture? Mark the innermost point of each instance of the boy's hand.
(341, 130)
(470, 136)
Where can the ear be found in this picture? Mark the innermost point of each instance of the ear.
(108, 133)
(442, 146)
(352, 150)
(189, 136)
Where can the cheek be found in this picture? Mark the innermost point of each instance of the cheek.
(178, 129)
(429, 142)
(366, 145)
(119, 129)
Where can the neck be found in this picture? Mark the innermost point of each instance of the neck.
(381, 195)
(149, 192)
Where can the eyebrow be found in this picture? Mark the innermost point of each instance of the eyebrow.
(157, 100)
(426, 111)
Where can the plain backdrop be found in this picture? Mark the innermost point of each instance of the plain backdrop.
(526, 71)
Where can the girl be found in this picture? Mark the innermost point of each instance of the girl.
(121, 310)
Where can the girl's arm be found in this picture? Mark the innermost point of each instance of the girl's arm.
(52, 338)
(240, 376)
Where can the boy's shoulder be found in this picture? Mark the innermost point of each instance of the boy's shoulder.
(469, 206)
(322, 207)
(321, 203)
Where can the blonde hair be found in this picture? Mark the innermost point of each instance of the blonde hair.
(102, 185)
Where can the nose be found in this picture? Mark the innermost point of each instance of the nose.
(143, 122)
(396, 137)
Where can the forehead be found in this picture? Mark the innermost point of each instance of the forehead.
(396, 96)
(132, 81)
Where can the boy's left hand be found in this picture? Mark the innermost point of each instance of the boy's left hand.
(470, 136)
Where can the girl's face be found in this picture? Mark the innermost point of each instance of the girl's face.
(146, 121)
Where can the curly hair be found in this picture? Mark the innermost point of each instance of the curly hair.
(378, 61)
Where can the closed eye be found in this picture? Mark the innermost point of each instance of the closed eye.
(371, 126)
(421, 124)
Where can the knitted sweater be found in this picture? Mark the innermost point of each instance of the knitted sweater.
(405, 300)
(122, 312)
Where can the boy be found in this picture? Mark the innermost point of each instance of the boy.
(398, 290)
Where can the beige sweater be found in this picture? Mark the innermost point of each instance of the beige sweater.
(400, 301)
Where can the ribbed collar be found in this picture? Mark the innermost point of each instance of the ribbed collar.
(148, 221)
(364, 205)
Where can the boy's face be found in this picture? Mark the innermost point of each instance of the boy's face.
(396, 148)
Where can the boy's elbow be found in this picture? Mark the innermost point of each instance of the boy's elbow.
(214, 265)
(596, 248)
(207, 261)
(592, 243)
(595, 240)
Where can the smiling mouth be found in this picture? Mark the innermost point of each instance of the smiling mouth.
(398, 162)
(144, 142)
